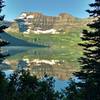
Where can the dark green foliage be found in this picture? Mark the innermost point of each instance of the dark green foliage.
(3, 80)
(72, 92)
(3, 86)
(89, 87)
(23, 86)
(2, 27)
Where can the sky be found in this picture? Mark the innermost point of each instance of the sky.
(76, 8)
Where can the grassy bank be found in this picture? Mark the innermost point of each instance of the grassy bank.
(64, 46)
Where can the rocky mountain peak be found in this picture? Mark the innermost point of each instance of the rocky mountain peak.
(31, 22)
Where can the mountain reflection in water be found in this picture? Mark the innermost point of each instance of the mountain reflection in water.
(58, 70)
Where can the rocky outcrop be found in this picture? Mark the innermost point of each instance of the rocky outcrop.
(13, 27)
(34, 22)
(29, 22)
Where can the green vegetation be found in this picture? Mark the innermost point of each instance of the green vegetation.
(63, 46)
(2, 41)
(89, 86)
(21, 85)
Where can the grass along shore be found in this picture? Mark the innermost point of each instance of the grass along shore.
(64, 46)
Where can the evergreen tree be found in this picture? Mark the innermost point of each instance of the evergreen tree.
(71, 92)
(3, 81)
(2, 27)
(89, 86)
(90, 62)
(23, 86)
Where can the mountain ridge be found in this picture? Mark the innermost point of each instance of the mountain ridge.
(29, 22)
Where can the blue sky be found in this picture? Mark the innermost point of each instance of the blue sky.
(76, 8)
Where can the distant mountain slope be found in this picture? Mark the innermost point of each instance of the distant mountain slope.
(28, 22)
(15, 41)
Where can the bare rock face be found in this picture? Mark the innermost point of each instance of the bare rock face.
(13, 27)
(31, 22)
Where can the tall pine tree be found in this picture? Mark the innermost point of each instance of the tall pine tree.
(2, 27)
(3, 81)
(90, 62)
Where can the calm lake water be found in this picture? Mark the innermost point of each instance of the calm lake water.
(58, 70)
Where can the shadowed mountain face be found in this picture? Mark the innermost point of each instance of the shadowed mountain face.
(17, 42)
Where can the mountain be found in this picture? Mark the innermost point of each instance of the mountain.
(35, 22)
(62, 46)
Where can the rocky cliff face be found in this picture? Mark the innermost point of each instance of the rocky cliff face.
(29, 22)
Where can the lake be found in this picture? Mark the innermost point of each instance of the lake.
(40, 61)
